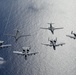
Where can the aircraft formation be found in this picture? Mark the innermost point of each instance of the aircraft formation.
(53, 43)
(26, 50)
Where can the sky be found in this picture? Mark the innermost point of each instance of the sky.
(28, 16)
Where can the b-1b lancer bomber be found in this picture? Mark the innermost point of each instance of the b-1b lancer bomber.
(4, 46)
(25, 52)
(53, 43)
(74, 37)
(17, 36)
(51, 28)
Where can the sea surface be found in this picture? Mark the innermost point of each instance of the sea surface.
(28, 16)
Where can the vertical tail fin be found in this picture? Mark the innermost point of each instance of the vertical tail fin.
(71, 32)
(56, 38)
(48, 39)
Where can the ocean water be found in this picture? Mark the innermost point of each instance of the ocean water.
(28, 16)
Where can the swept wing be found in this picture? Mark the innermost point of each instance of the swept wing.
(71, 36)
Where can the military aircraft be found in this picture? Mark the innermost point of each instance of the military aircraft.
(53, 43)
(74, 35)
(51, 28)
(4, 46)
(17, 36)
(25, 52)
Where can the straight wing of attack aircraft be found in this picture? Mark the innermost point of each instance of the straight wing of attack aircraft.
(51, 28)
(25, 52)
(29, 54)
(17, 36)
(4, 46)
(56, 45)
(19, 53)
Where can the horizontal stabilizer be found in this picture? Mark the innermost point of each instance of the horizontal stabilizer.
(25, 48)
(50, 23)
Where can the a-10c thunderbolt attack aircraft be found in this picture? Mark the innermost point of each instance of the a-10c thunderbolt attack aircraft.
(17, 36)
(4, 46)
(51, 28)
(25, 52)
(53, 43)
(74, 35)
